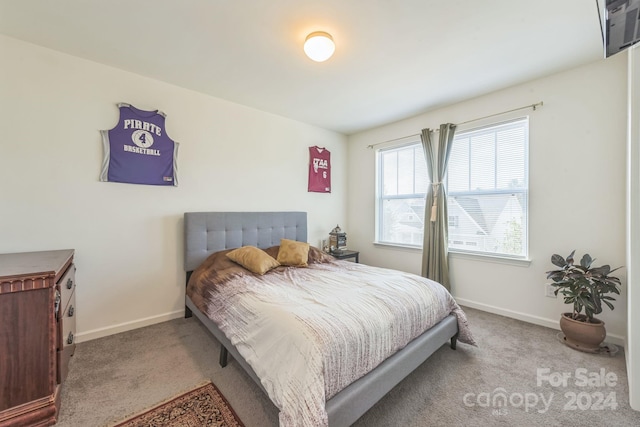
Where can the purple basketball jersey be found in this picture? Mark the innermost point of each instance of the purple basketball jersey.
(138, 150)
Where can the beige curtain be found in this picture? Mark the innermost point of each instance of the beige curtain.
(435, 265)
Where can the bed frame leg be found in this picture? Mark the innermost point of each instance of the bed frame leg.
(224, 354)
(454, 341)
(187, 311)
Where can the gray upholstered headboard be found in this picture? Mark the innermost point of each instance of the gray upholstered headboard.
(209, 232)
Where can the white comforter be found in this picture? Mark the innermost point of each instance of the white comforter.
(310, 332)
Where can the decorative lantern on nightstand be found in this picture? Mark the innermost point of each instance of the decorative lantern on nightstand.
(337, 240)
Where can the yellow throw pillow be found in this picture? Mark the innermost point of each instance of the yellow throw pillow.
(253, 259)
(293, 253)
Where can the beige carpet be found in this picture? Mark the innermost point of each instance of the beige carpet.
(512, 379)
(202, 406)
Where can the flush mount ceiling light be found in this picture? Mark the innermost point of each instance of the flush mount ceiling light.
(319, 46)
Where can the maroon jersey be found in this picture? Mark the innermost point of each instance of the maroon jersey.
(319, 170)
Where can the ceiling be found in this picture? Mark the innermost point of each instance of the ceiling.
(393, 59)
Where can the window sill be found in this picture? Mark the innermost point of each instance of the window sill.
(520, 262)
(398, 246)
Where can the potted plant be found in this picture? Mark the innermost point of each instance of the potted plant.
(586, 287)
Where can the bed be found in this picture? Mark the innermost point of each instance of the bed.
(208, 233)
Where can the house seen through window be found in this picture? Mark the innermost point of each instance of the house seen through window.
(487, 186)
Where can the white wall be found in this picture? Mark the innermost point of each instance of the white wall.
(128, 238)
(577, 190)
(633, 229)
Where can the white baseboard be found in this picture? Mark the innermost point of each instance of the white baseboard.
(536, 320)
(127, 326)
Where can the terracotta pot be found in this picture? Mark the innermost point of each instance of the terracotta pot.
(583, 336)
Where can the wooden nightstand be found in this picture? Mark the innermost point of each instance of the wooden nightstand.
(346, 254)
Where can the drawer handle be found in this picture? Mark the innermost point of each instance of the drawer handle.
(70, 338)
(56, 305)
(71, 311)
(69, 283)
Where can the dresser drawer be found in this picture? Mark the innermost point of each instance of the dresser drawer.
(66, 285)
(67, 339)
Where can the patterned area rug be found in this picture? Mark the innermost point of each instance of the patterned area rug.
(202, 406)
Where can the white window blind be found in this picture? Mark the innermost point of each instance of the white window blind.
(402, 188)
(487, 187)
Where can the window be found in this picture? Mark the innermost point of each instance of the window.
(487, 187)
(402, 188)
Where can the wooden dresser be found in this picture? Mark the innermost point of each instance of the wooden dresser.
(37, 327)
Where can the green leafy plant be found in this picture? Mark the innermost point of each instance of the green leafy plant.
(584, 286)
